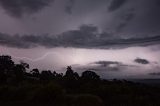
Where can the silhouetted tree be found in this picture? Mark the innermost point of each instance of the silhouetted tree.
(70, 74)
(71, 78)
(46, 75)
(19, 72)
(90, 75)
(6, 66)
(35, 72)
(58, 76)
(6, 63)
(25, 65)
(3, 77)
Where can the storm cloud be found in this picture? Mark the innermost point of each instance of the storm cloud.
(69, 6)
(125, 19)
(106, 63)
(87, 36)
(141, 61)
(116, 4)
(105, 66)
(18, 8)
(111, 66)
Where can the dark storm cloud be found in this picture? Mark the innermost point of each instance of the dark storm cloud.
(116, 4)
(106, 63)
(86, 36)
(101, 66)
(107, 66)
(141, 61)
(13, 41)
(146, 19)
(83, 7)
(28, 41)
(125, 19)
(136, 17)
(18, 8)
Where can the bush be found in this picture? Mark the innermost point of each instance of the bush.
(87, 100)
(47, 93)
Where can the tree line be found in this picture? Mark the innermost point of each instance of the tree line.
(16, 73)
(18, 86)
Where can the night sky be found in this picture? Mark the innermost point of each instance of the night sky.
(115, 38)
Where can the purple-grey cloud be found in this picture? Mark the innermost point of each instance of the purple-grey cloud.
(69, 6)
(106, 66)
(106, 63)
(116, 4)
(141, 61)
(86, 36)
(18, 8)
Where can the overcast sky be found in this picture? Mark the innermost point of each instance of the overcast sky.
(115, 38)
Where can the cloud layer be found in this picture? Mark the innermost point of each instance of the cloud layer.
(107, 66)
(87, 36)
(18, 8)
(106, 63)
(141, 61)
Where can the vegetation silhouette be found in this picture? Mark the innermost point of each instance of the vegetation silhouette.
(21, 86)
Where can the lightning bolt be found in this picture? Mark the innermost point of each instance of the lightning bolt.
(30, 59)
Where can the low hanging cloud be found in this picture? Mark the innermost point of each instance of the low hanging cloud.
(106, 66)
(18, 8)
(141, 61)
(155, 74)
(106, 63)
(86, 36)
(111, 66)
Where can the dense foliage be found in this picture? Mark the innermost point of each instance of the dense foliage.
(49, 88)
